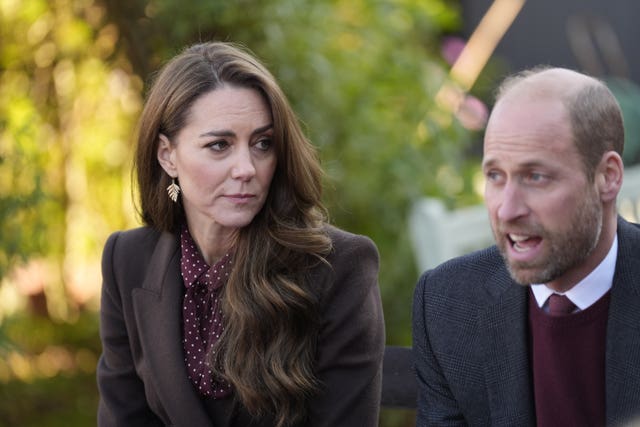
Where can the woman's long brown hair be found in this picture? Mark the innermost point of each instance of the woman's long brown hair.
(271, 318)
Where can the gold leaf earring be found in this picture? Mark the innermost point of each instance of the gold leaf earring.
(173, 190)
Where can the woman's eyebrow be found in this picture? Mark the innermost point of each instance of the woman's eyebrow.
(224, 132)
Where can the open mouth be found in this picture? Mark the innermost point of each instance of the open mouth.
(522, 242)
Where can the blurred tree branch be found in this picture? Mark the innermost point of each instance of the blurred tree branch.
(134, 32)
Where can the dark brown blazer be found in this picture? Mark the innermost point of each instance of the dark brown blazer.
(141, 373)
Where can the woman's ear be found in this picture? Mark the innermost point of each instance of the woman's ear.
(166, 156)
(609, 176)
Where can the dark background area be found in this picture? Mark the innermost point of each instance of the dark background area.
(539, 35)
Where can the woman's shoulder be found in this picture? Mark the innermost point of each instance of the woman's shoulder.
(349, 280)
(133, 239)
(346, 243)
(353, 260)
(129, 254)
(131, 246)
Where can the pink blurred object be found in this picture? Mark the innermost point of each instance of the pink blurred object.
(451, 48)
(472, 113)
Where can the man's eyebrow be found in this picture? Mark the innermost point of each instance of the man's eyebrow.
(488, 163)
(491, 162)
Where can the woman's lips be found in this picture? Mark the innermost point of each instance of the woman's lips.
(240, 198)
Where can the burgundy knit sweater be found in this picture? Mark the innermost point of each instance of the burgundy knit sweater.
(567, 355)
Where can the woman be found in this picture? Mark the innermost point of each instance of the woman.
(236, 304)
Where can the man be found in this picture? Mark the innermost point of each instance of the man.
(491, 348)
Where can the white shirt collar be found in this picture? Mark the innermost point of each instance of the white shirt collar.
(591, 288)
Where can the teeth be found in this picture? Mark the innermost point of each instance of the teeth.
(517, 239)
(519, 249)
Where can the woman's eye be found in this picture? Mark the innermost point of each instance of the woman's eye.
(264, 144)
(218, 145)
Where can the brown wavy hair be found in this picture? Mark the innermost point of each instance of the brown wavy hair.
(267, 350)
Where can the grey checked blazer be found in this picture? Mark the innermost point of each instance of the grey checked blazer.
(471, 342)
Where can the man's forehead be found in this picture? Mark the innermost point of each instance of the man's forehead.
(535, 119)
(528, 138)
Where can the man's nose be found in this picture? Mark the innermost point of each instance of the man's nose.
(512, 203)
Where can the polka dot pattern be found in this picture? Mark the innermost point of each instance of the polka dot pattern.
(202, 314)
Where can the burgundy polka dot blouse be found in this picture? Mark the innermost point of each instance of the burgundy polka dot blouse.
(201, 314)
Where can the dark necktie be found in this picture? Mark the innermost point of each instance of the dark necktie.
(560, 305)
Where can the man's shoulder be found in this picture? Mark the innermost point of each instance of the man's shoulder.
(475, 265)
(628, 242)
(629, 230)
(466, 277)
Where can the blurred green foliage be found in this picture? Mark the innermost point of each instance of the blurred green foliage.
(53, 366)
(362, 75)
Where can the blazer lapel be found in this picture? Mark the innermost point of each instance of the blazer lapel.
(158, 312)
(622, 372)
(507, 370)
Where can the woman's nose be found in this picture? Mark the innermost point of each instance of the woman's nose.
(243, 167)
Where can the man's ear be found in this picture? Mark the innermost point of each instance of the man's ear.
(609, 176)
(166, 156)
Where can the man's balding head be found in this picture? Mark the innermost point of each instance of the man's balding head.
(592, 110)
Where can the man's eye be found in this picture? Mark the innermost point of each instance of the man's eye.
(493, 176)
(536, 177)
